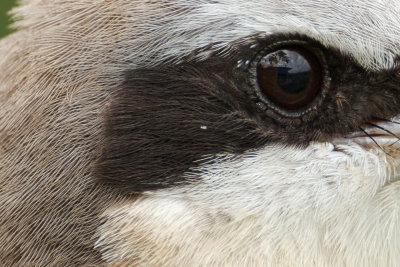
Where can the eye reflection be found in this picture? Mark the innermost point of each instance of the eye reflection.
(290, 78)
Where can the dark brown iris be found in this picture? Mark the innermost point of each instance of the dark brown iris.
(290, 77)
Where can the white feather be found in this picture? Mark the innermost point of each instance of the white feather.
(277, 206)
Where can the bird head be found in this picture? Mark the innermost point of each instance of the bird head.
(202, 133)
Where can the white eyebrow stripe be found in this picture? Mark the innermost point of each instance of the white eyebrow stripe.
(367, 31)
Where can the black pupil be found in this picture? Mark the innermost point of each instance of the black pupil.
(290, 78)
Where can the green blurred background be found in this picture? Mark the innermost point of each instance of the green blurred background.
(5, 6)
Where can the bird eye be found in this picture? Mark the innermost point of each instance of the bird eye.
(288, 77)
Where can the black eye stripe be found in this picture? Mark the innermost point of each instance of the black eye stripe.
(163, 122)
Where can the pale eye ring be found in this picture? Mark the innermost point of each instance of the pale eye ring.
(290, 77)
